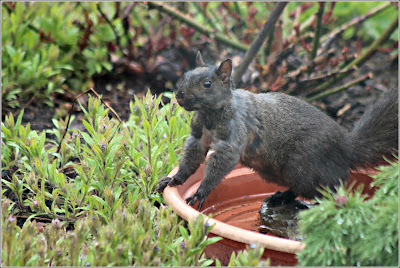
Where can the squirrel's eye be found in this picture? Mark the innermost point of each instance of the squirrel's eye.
(207, 84)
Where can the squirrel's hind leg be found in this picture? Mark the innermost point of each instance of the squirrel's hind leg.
(280, 198)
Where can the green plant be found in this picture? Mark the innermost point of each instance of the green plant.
(155, 149)
(249, 257)
(44, 50)
(139, 235)
(96, 169)
(33, 61)
(346, 229)
(94, 196)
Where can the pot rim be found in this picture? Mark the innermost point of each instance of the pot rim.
(179, 206)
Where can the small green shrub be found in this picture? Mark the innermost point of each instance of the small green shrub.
(43, 49)
(346, 229)
(96, 169)
(249, 257)
(95, 195)
(139, 235)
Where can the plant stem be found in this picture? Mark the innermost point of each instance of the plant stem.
(269, 42)
(72, 108)
(237, 9)
(126, 24)
(317, 31)
(340, 88)
(211, 33)
(257, 43)
(365, 55)
(310, 65)
(375, 45)
(208, 20)
(327, 40)
(117, 37)
(307, 85)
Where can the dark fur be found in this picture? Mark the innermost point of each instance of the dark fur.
(284, 139)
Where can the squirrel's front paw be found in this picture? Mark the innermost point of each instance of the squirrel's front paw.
(166, 181)
(194, 198)
(162, 184)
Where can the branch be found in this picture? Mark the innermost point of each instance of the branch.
(307, 86)
(365, 55)
(210, 33)
(327, 40)
(340, 88)
(117, 38)
(71, 109)
(310, 65)
(322, 78)
(203, 13)
(126, 24)
(257, 43)
(317, 31)
(269, 41)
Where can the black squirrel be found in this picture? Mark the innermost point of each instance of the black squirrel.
(284, 139)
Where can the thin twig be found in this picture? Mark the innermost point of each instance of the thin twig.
(328, 39)
(301, 39)
(367, 53)
(269, 42)
(224, 31)
(72, 107)
(189, 21)
(257, 43)
(340, 88)
(237, 8)
(36, 218)
(117, 37)
(328, 14)
(26, 105)
(307, 85)
(325, 77)
(204, 14)
(126, 24)
(310, 65)
(317, 31)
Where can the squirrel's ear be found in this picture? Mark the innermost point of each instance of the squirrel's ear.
(225, 70)
(199, 60)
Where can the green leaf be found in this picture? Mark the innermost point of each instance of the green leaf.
(7, 132)
(116, 206)
(146, 126)
(10, 50)
(99, 200)
(18, 123)
(88, 127)
(104, 216)
(41, 142)
(87, 138)
(184, 232)
(208, 263)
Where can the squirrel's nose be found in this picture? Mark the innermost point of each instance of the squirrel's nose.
(179, 96)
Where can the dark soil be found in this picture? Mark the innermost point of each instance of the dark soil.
(119, 88)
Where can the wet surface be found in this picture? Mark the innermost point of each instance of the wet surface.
(281, 220)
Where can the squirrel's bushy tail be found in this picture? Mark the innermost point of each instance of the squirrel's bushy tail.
(376, 133)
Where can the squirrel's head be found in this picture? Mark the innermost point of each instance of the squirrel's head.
(205, 87)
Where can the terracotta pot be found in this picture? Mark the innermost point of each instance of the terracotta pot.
(234, 206)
